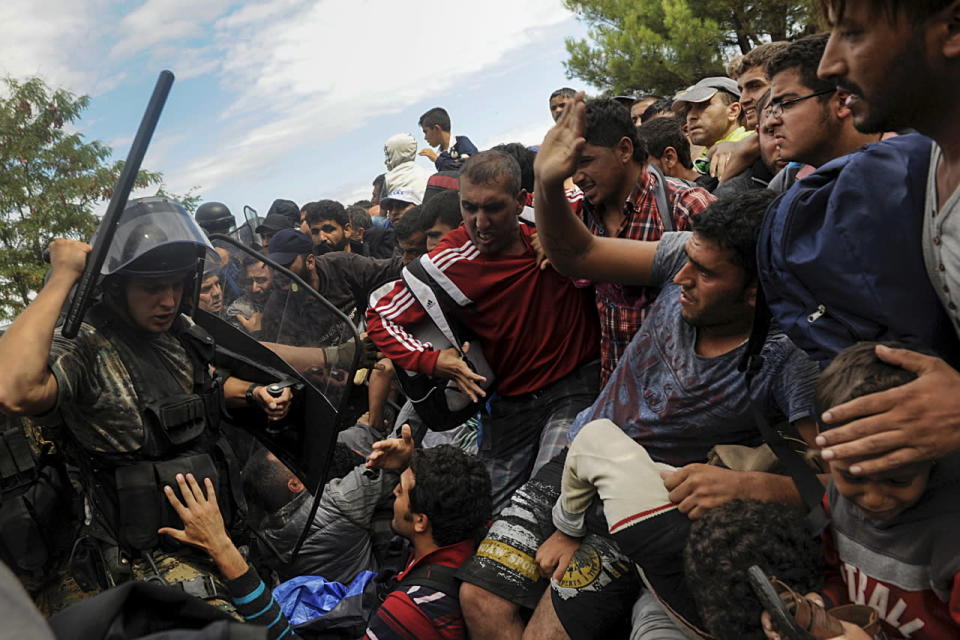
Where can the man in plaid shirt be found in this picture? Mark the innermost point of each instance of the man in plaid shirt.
(620, 202)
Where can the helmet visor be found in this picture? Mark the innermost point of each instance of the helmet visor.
(157, 243)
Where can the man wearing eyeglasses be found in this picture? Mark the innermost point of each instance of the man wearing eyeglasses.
(807, 116)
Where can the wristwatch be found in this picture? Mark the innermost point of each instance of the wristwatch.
(252, 399)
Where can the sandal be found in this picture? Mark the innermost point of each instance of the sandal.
(797, 618)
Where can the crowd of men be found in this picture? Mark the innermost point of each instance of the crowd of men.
(688, 368)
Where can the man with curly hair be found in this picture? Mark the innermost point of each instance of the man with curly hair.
(441, 505)
(726, 542)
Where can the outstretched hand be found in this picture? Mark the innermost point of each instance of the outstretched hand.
(393, 453)
(916, 421)
(202, 521)
(203, 525)
(558, 155)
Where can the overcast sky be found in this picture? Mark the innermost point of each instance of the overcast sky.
(293, 98)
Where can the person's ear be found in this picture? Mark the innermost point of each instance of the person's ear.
(951, 40)
(311, 261)
(838, 105)
(669, 158)
(624, 150)
(294, 485)
(521, 201)
(421, 523)
(348, 228)
(733, 111)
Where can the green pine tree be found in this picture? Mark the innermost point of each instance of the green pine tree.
(661, 46)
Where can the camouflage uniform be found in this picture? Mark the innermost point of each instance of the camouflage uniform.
(98, 423)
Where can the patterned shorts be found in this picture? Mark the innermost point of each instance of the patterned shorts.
(599, 587)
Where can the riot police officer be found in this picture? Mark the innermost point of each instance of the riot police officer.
(215, 217)
(132, 400)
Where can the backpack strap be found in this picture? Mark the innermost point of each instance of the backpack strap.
(806, 481)
(434, 576)
(430, 294)
(660, 193)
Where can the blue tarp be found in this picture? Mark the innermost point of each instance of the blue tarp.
(307, 598)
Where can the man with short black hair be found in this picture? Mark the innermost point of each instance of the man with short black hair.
(439, 216)
(544, 361)
(453, 150)
(620, 200)
(558, 100)
(659, 109)
(752, 80)
(640, 105)
(808, 116)
(246, 312)
(411, 238)
(329, 225)
(669, 149)
(210, 298)
(360, 221)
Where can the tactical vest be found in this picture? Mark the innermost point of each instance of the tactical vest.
(181, 435)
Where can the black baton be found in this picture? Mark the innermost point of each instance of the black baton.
(118, 202)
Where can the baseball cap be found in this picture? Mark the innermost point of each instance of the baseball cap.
(286, 208)
(273, 223)
(403, 195)
(288, 244)
(706, 89)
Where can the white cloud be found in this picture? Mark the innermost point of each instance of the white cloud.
(529, 135)
(159, 21)
(56, 39)
(295, 73)
(304, 72)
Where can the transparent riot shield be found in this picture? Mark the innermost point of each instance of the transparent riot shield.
(280, 331)
(246, 231)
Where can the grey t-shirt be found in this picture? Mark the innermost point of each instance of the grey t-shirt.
(941, 244)
(679, 404)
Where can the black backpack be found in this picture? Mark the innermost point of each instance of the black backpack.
(440, 403)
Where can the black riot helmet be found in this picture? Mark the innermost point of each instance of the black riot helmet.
(215, 217)
(156, 237)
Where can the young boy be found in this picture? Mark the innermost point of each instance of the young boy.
(892, 543)
(453, 150)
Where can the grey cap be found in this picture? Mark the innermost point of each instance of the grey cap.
(706, 89)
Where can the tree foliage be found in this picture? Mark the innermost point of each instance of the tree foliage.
(51, 181)
(660, 46)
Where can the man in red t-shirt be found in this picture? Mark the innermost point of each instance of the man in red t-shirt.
(538, 331)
